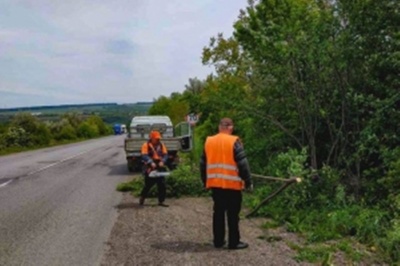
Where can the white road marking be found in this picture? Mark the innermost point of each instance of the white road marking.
(6, 183)
(56, 163)
(47, 166)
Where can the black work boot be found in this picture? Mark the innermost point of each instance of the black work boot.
(240, 245)
(162, 204)
(141, 201)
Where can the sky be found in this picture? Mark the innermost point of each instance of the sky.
(121, 51)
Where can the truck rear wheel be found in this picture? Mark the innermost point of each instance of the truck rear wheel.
(131, 166)
(134, 165)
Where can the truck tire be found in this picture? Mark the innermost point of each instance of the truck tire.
(131, 166)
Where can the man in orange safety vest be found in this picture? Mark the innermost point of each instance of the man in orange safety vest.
(225, 170)
(155, 156)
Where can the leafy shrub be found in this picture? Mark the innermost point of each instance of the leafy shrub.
(87, 130)
(67, 133)
(183, 181)
(316, 254)
(42, 135)
(26, 121)
(135, 185)
(2, 142)
(97, 122)
(391, 242)
(16, 137)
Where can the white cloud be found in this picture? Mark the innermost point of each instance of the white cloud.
(112, 51)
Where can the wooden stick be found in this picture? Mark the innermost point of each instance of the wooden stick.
(273, 178)
(287, 183)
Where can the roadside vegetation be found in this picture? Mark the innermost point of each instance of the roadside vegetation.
(26, 132)
(313, 88)
(28, 128)
(183, 181)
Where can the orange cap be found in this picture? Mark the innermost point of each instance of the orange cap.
(155, 135)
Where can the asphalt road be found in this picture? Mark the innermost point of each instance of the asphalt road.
(58, 205)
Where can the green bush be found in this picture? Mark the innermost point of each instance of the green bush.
(87, 130)
(183, 181)
(391, 242)
(42, 135)
(67, 133)
(97, 122)
(2, 142)
(16, 137)
(134, 185)
(322, 211)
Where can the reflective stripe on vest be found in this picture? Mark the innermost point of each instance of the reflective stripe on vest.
(221, 165)
(222, 170)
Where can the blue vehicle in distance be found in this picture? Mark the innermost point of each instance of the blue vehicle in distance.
(119, 129)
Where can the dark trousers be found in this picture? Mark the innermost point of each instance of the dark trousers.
(149, 182)
(229, 202)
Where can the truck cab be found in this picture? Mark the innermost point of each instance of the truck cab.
(176, 139)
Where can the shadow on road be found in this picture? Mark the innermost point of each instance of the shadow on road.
(130, 205)
(135, 205)
(119, 169)
(185, 246)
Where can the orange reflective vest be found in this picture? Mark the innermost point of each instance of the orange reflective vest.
(156, 153)
(222, 169)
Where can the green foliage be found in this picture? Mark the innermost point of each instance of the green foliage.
(183, 181)
(26, 121)
(322, 254)
(391, 242)
(35, 132)
(3, 128)
(67, 133)
(74, 119)
(97, 122)
(320, 211)
(174, 106)
(350, 248)
(26, 131)
(16, 136)
(134, 185)
(42, 136)
(87, 130)
(317, 75)
(290, 163)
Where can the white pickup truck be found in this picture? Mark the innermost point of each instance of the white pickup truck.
(178, 138)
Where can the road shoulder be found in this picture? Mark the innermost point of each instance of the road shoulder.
(181, 235)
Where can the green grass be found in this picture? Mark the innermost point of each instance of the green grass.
(316, 254)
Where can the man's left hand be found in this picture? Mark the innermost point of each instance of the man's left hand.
(249, 188)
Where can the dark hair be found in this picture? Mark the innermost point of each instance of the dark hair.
(226, 122)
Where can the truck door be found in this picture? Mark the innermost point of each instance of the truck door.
(183, 130)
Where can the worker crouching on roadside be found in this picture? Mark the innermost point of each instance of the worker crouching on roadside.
(155, 156)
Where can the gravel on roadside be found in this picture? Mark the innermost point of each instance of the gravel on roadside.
(182, 235)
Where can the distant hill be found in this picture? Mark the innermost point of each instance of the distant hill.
(109, 112)
(64, 106)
